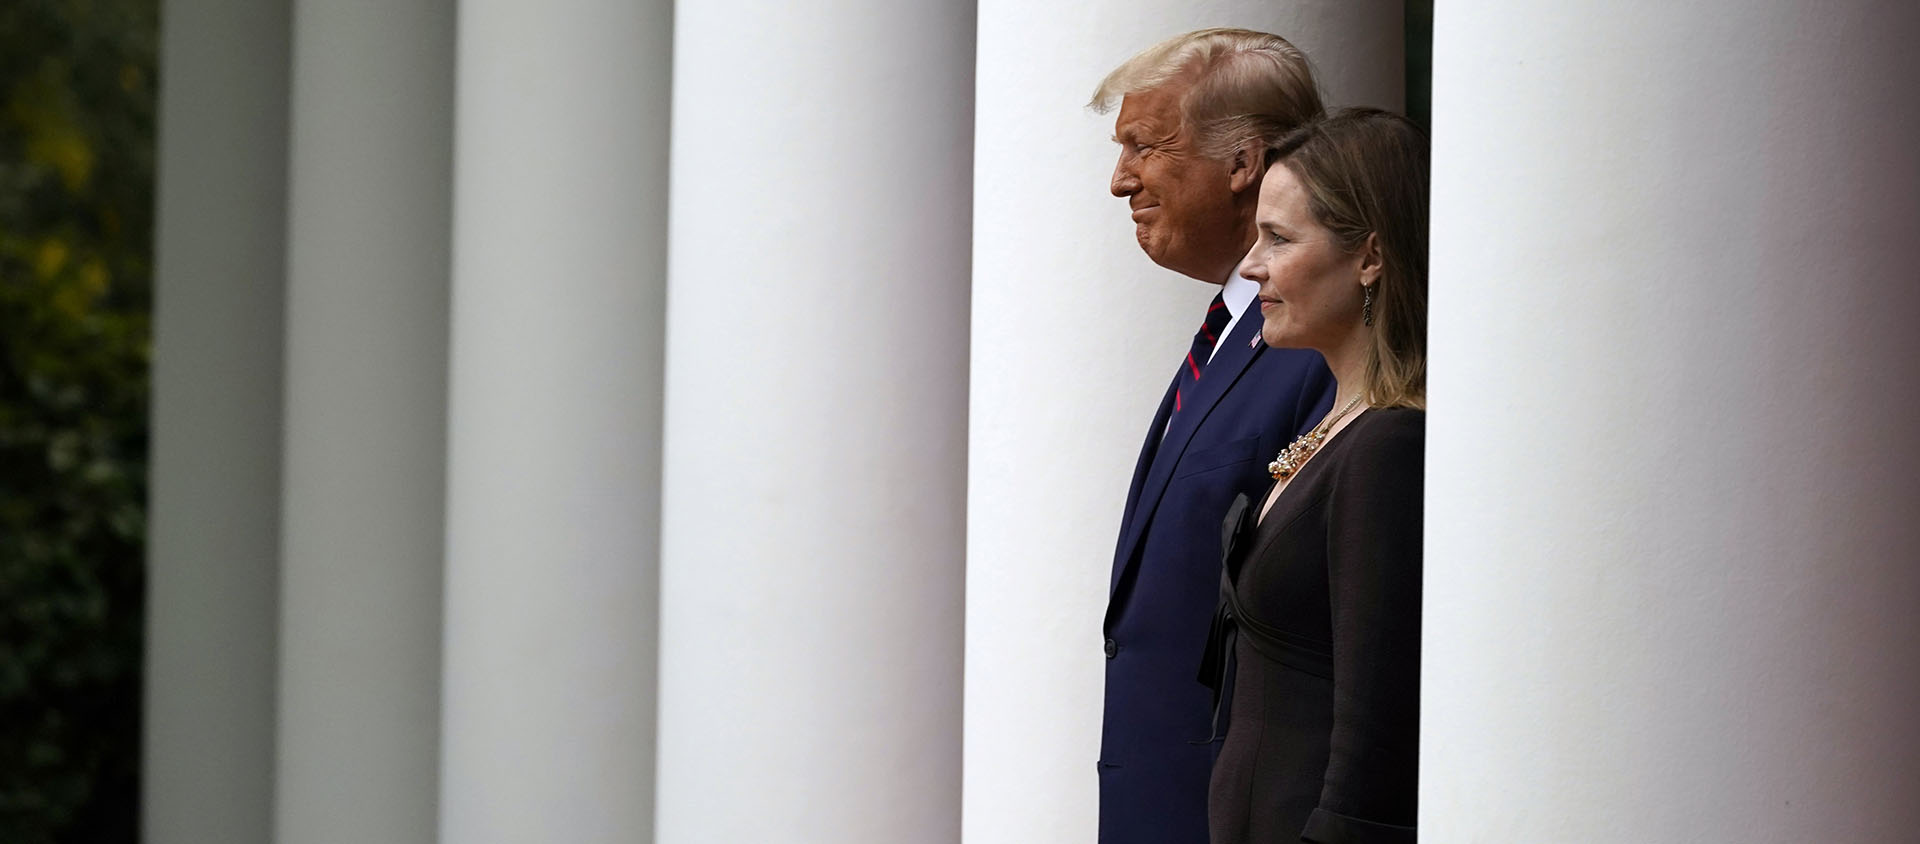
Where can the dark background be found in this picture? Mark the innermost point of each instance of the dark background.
(76, 197)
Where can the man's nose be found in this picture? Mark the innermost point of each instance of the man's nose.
(1124, 183)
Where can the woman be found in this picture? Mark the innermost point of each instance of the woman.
(1321, 597)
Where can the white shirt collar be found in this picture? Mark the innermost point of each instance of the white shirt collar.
(1238, 293)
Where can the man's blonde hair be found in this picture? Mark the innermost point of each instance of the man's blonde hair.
(1253, 87)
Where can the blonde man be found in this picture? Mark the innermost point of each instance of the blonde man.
(1196, 114)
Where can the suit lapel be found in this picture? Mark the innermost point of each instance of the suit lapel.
(1140, 467)
(1229, 362)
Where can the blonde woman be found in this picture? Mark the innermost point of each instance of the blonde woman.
(1321, 595)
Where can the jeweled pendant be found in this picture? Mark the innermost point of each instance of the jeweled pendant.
(1290, 459)
(1296, 454)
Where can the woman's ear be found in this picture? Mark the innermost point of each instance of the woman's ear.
(1243, 168)
(1372, 263)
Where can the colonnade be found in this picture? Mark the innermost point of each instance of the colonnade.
(608, 421)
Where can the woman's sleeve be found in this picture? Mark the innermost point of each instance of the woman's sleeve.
(1373, 571)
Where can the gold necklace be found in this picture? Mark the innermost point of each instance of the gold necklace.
(1295, 455)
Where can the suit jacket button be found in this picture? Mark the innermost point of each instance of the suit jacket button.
(1112, 648)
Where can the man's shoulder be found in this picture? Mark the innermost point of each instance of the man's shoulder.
(1289, 358)
(1288, 371)
(1276, 393)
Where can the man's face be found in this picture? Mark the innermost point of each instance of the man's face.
(1184, 210)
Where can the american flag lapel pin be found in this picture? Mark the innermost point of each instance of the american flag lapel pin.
(1253, 342)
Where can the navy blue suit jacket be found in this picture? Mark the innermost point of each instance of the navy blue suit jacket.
(1155, 753)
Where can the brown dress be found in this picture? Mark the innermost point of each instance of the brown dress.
(1321, 613)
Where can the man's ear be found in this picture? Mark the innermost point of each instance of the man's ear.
(1243, 168)
(1372, 263)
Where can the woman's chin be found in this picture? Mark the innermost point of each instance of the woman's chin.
(1277, 338)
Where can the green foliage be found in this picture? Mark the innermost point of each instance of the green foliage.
(76, 184)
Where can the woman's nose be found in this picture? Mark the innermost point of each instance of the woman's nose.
(1251, 269)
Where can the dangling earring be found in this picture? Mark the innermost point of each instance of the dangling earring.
(1366, 307)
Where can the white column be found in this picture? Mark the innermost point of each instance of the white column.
(365, 421)
(1075, 333)
(213, 529)
(1671, 578)
(554, 423)
(816, 423)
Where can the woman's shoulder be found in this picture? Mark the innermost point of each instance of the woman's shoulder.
(1390, 423)
(1385, 438)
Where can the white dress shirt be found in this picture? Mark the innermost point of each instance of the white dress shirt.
(1238, 293)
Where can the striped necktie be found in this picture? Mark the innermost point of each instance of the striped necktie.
(1203, 342)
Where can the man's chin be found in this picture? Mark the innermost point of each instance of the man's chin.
(1143, 235)
(1156, 250)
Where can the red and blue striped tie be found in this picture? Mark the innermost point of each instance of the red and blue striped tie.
(1203, 343)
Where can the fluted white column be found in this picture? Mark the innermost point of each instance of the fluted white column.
(554, 428)
(1671, 570)
(214, 488)
(1075, 333)
(816, 423)
(366, 336)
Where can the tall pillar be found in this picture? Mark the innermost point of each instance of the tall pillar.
(366, 335)
(553, 482)
(1671, 477)
(213, 530)
(1075, 333)
(815, 465)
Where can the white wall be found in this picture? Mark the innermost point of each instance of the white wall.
(814, 465)
(1075, 335)
(1671, 573)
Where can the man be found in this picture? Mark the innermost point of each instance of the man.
(1196, 115)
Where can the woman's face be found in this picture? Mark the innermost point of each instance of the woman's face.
(1310, 293)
